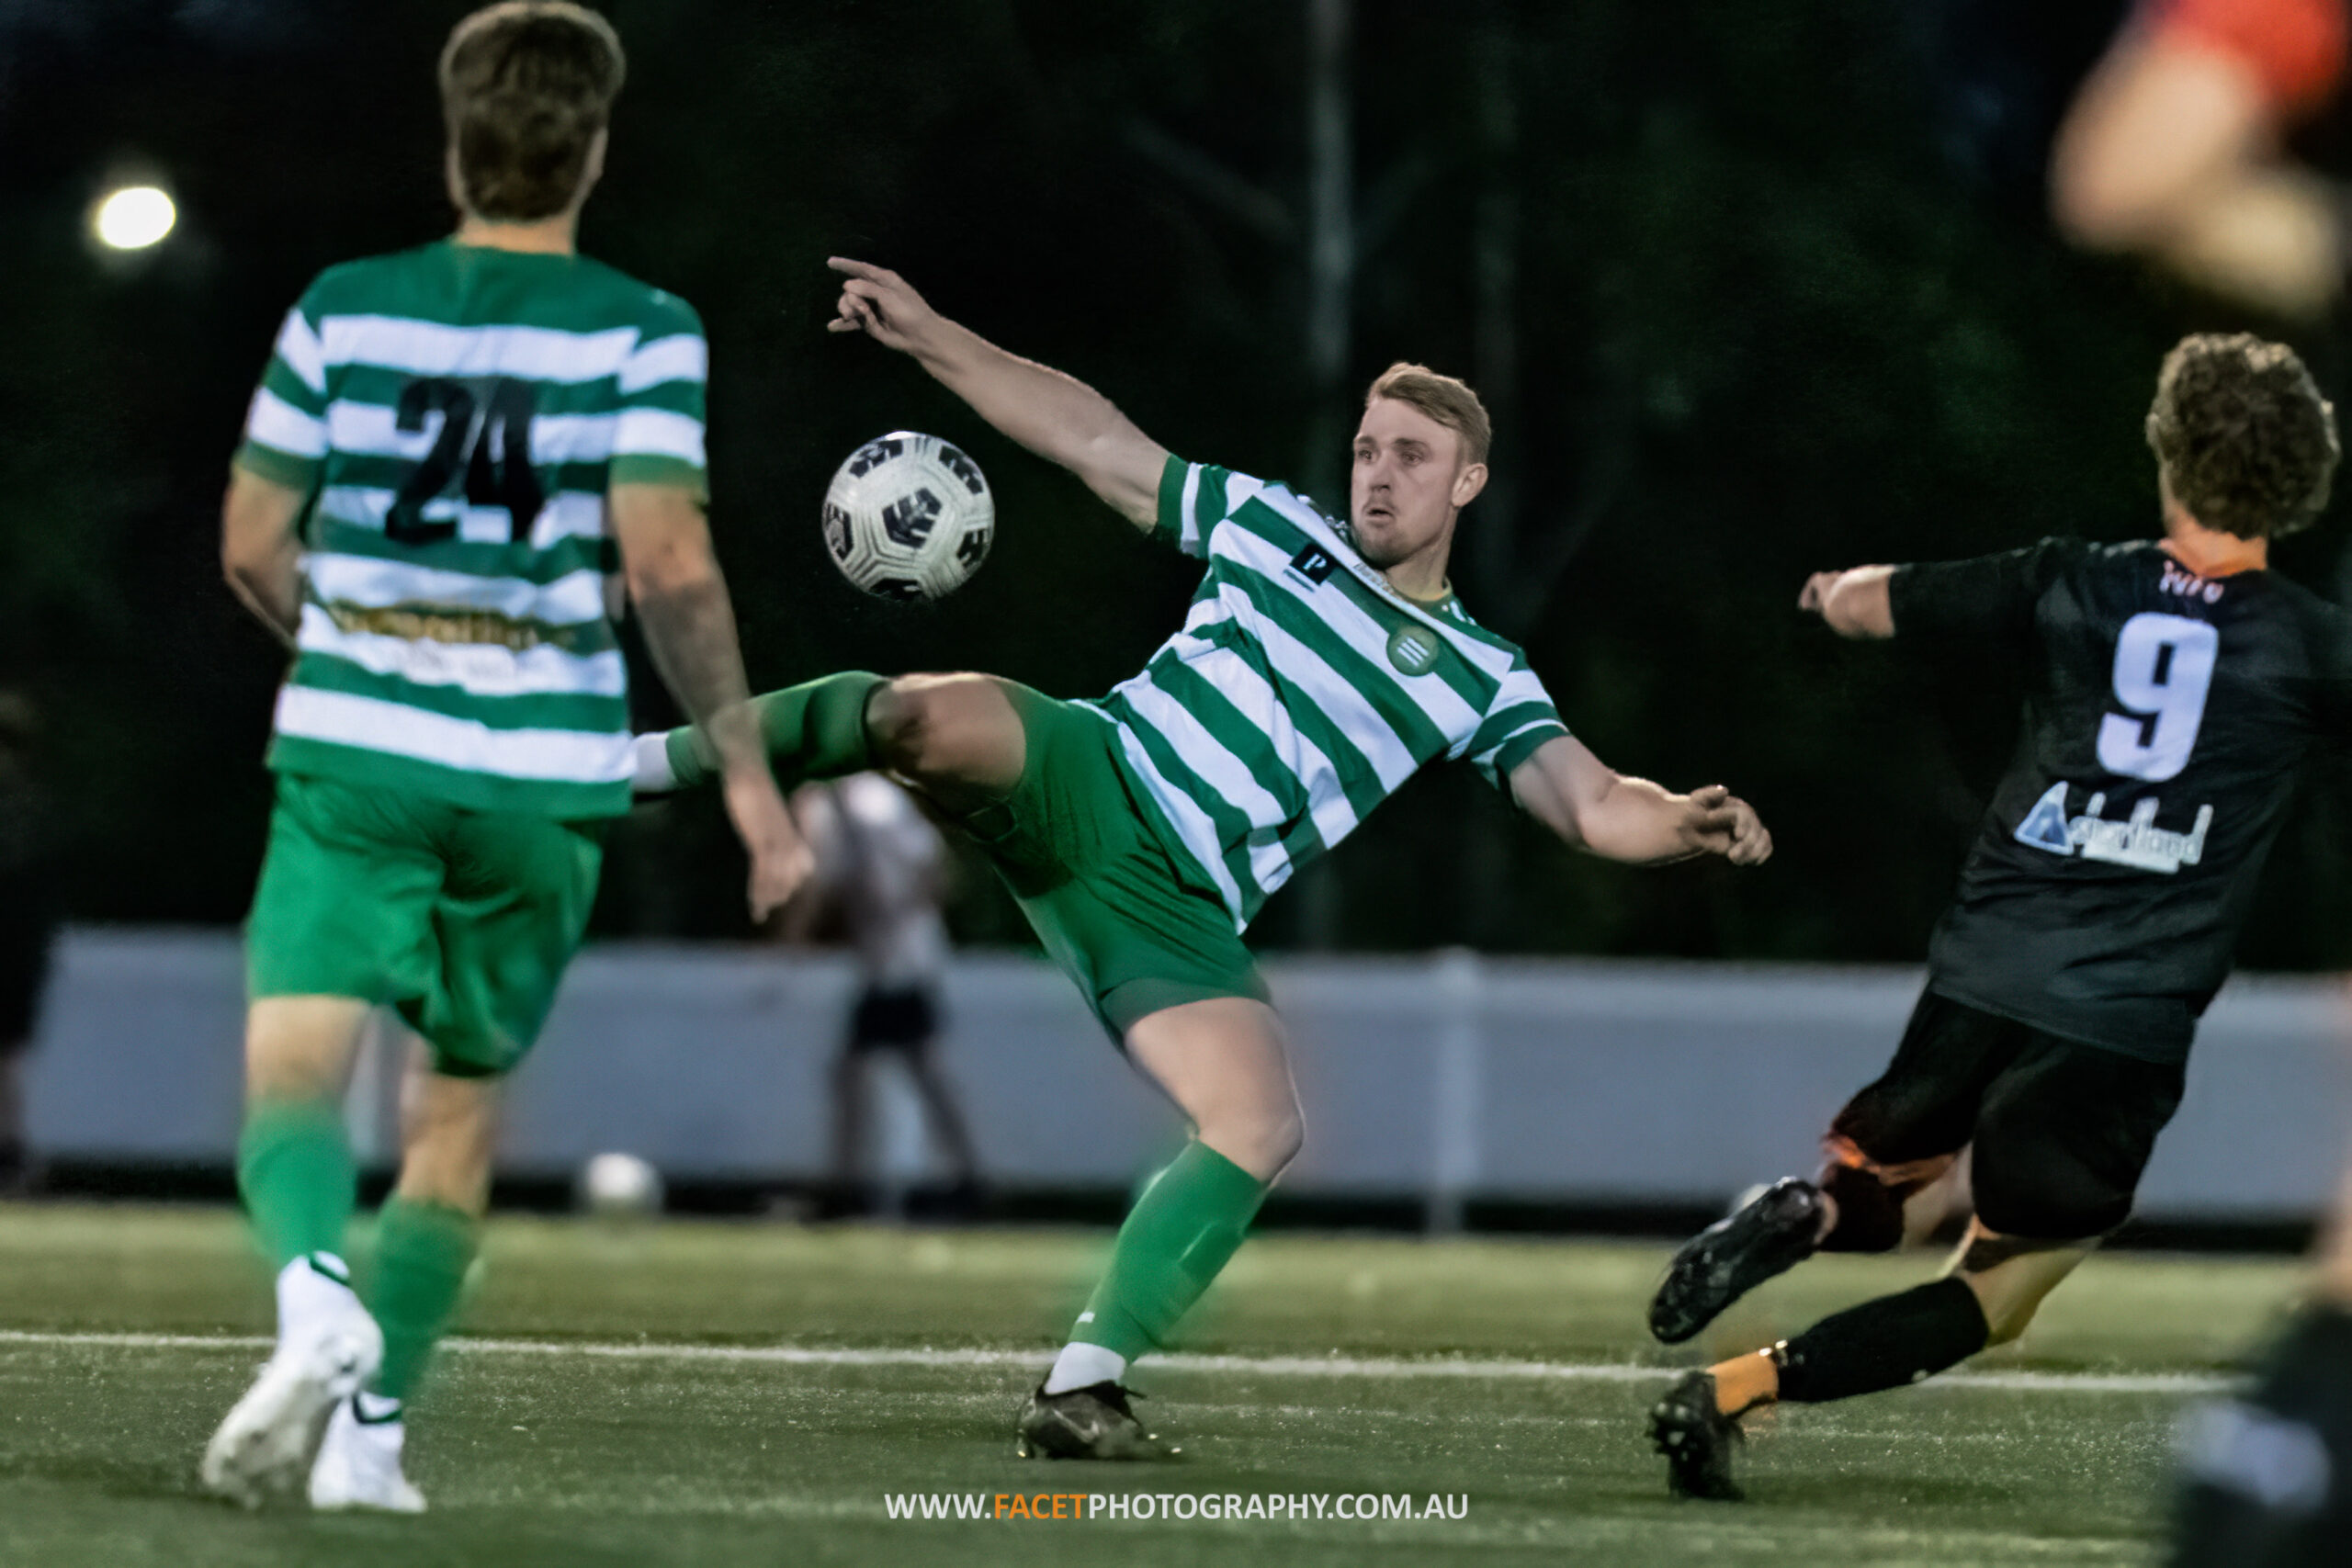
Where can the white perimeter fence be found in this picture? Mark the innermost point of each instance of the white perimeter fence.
(1448, 1076)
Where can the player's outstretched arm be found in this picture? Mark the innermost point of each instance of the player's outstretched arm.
(1059, 417)
(261, 549)
(1592, 807)
(689, 625)
(1854, 603)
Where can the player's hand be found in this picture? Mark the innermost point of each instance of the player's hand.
(780, 857)
(1721, 823)
(878, 302)
(1813, 599)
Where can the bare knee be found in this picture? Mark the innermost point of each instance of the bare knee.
(952, 730)
(2011, 1277)
(1261, 1140)
(301, 1047)
(450, 1132)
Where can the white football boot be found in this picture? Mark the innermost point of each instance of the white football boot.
(359, 1460)
(327, 1347)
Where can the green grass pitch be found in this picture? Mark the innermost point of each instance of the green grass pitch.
(640, 1397)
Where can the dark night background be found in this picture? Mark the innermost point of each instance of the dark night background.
(1752, 290)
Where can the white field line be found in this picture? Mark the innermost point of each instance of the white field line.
(2181, 1383)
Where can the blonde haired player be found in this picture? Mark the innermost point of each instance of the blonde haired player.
(1323, 662)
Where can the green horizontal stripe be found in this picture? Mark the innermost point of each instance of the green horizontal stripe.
(584, 712)
(475, 791)
(1358, 780)
(1232, 828)
(281, 382)
(465, 285)
(640, 468)
(1521, 747)
(525, 562)
(377, 386)
(1372, 682)
(279, 467)
(1502, 722)
(1216, 713)
(369, 470)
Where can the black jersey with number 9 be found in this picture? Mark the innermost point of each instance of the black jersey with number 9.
(2166, 717)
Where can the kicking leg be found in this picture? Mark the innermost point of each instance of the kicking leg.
(956, 737)
(1224, 1063)
(295, 1172)
(426, 1240)
(1995, 1286)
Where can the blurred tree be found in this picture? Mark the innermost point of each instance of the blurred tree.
(1705, 259)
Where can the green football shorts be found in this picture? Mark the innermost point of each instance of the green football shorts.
(1122, 910)
(463, 921)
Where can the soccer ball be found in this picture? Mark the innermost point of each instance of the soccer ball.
(909, 517)
(620, 1187)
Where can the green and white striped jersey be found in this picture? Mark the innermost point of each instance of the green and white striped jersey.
(456, 414)
(1304, 690)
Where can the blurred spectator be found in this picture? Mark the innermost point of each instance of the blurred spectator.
(881, 874)
(27, 924)
(2178, 149)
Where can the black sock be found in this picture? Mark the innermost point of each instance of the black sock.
(1887, 1343)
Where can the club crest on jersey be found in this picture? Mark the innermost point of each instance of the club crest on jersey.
(1315, 563)
(1413, 648)
(2135, 840)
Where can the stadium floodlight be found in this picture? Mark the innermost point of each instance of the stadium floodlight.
(132, 217)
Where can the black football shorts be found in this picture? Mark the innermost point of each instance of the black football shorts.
(2061, 1130)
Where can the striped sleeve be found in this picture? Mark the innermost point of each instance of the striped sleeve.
(1517, 722)
(658, 433)
(1194, 498)
(286, 425)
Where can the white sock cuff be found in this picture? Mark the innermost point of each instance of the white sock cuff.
(1081, 1365)
(654, 774)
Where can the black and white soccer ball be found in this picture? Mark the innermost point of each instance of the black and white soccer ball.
(909, 517)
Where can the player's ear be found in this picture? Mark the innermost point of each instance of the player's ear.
(1468, 483)
(454, 179)
(593, 170)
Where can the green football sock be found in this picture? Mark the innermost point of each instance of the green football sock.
(1177, 1238)
(295, 1174)
(814, 730)
(422, 1250)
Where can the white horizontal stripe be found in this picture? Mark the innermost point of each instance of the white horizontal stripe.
(1454, 718)
(568, 514)
(483, 669)
(1332, 694)
(685, 357)
(658, 432)
(373, 429)
(568, 756)
(1249, 692)
(572, 599)
(1193, 825)
(297, 345)
(274, 421)
(2182, 1385)
(429, 348)
(1219, 768)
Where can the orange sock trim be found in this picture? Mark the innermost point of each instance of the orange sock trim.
(1747, 1381)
